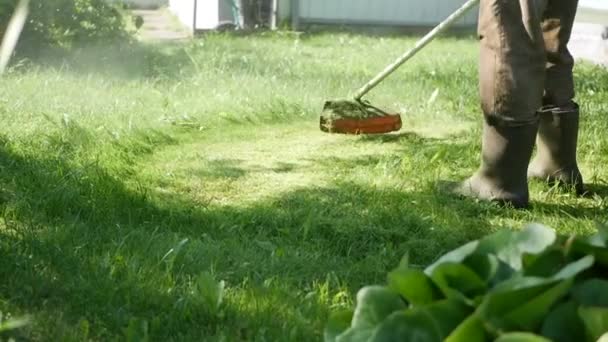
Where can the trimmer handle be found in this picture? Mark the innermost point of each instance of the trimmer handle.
(419, 45)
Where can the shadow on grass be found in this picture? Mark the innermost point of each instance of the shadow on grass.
(81, 244)
(222, 168)
(600, 190)
(234, 169)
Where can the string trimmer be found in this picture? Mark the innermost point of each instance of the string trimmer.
(358, 116)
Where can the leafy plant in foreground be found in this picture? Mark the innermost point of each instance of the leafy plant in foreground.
(528, 285)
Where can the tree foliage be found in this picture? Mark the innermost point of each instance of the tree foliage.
(67, 22)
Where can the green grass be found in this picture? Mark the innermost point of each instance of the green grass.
(126, 173)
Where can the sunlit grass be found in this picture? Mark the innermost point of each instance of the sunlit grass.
(127, 172)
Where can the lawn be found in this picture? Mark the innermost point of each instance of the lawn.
(135, 179)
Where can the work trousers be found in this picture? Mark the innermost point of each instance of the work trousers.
(524, 58)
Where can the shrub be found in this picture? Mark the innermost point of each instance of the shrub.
(67, 22)
(530, 285)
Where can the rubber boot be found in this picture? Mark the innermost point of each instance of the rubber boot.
(502, 178)
(557, 138)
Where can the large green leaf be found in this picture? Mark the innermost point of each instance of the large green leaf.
(544, 264)
(595, 240)
(602, 232)
(448, 314)
(593, 292)
(521, 337)
(599, 239)
(485, 266)
(510, 246)
(413, 285)
(374, 304)
(535, 238)
(489, 268)
(356, 335)
(497, 305)
(338, 323)
(569, 271)
(574, 268)
(471, 330)
(409, 325)
(425, 324)
(595, 321)
(563, 324)
(494, 243)
(456, 256)
(521, 303)
(457, 281)
(530, 314)
(590, 246)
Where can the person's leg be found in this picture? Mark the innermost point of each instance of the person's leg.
(512, 73)
(559, 116)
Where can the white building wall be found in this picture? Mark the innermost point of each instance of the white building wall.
(284, 10)
(209, 13)
(390, 12)
(184, 11)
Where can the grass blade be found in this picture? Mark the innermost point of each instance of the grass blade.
(14, 324)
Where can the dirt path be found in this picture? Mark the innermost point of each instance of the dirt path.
(160, 25)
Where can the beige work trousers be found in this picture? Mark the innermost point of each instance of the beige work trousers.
(524, 58)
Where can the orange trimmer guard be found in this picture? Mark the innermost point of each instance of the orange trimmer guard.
(357, 117)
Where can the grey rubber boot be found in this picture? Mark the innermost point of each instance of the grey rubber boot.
(557, 139)
(502, 176)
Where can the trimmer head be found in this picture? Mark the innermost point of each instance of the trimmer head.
(357, 117)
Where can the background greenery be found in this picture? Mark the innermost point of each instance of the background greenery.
(65, 23)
